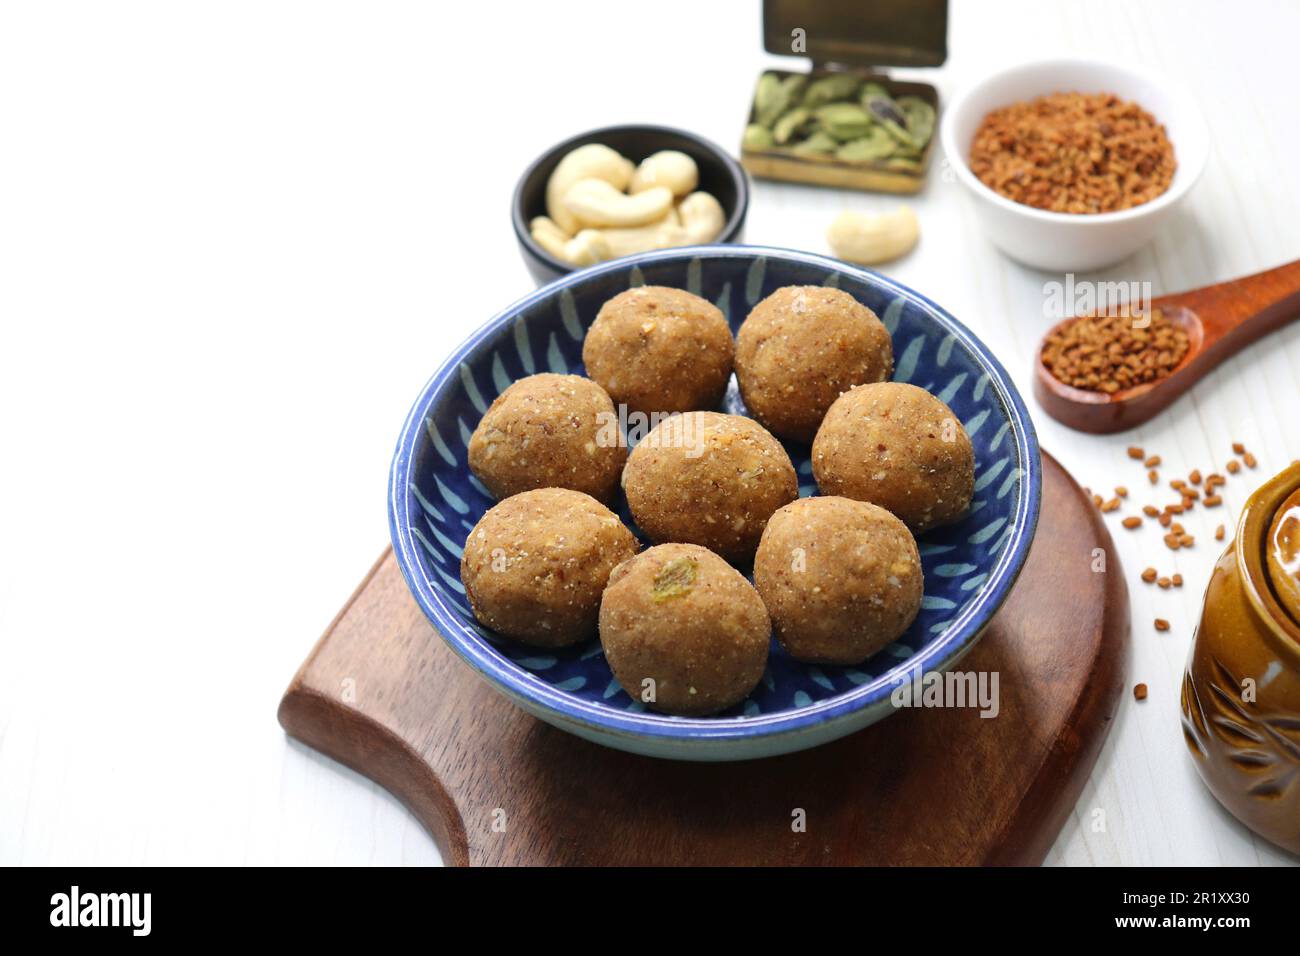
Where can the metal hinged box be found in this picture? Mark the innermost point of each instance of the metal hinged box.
(852, 38)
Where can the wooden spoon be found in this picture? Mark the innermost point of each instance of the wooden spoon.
(1219, 320)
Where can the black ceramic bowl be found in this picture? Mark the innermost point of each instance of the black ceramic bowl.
(719, 174)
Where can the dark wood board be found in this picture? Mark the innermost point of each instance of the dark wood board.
(384, 695)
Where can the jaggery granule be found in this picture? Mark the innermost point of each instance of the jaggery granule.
(1074, 153)
(1109, 353)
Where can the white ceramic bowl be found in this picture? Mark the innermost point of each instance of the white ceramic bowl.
(1071, 242)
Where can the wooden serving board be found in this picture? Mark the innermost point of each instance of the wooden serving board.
(384, 695)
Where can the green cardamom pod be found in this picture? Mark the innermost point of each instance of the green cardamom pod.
(828, 89)
(794, 86)
(818, 144)
(770, 99)
(873, 89)
(876, 145)
(844, 121)
(920, 119)
(885, 112)
(790, 124)
(757, 137)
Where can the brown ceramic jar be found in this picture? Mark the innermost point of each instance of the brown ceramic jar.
(1241, 692)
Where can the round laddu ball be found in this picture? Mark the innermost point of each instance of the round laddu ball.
(800, 348)
(683, 631)
(899, 447)
(840, 578)
(549, 431)
(709, 479)
(656, 349)
(536, 563)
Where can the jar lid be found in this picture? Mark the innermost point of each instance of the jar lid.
(1252, 546)
(1282, 555)
(858, 33)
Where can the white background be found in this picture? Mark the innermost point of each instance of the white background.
(236, 238)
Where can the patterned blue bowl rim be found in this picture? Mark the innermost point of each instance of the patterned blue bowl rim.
(938, 654)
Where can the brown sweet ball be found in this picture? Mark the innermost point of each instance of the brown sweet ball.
(656, 349)
(536, 563)
(897, 446)
(840, 578)
(549, 431)
(800, 348)
(709, 479)
(683, 631)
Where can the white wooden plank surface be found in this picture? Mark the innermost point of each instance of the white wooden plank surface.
(236, 240)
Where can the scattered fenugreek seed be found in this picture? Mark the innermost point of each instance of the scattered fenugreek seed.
(1121, 491)
(1163, 583)
(1112, 505)
(1162, 624)
(1234, 466)
(1213, 501)
(1218, 533)
(1153, 476)
(1152, 462)
(1195, 476)
(1140, 691)
(1131, 522)
(1135, 452)
(1238, 448)
(1177, 580)
(1151, 511)
(1249, 459)
(1149, 575)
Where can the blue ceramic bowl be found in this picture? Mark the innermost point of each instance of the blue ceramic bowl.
(969, 567)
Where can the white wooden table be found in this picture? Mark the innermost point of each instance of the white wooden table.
(237, 239)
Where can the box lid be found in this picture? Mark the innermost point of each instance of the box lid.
(858, 33)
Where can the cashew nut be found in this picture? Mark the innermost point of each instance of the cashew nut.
(586, 248)
(590, 217)
(593, 161)
(594, 202)
(668, 168)
(657, 235)
(867, 239)
(545, 230)
(702, 218)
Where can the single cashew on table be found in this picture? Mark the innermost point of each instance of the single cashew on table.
(870, 239)
(599, 206)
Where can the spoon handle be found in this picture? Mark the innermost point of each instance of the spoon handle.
(1236, 313)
